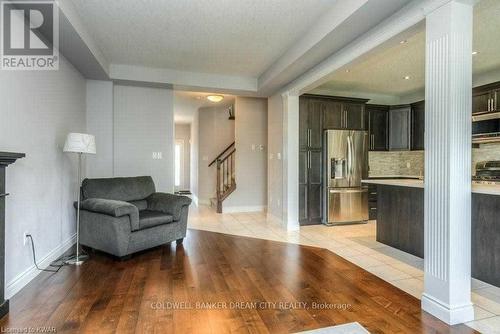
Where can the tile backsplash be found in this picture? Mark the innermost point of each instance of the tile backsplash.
(411, 163)
(396, 163)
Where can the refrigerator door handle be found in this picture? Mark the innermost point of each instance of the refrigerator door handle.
(353, 158)
(349, 159)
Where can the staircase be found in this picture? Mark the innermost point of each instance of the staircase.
(226, 183)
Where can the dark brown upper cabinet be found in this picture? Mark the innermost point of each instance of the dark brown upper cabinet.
(417, 125)
(344, 115)
(400, 128)
(334, 115)
(378, 127)
(481, 102)
(485, 99)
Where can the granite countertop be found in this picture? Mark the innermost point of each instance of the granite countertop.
(489, 189)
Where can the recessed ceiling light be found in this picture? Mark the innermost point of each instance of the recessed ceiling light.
(215, 98)
(404, 41)
(475, 53)
(407, 77)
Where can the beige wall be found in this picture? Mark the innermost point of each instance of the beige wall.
(216, 132)
(183, 132)
(143, 124)
(274, 156)
(193, 178)
(251, 156)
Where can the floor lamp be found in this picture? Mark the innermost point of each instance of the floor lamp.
(79, 143)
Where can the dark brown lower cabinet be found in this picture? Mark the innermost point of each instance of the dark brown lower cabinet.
(400, 224)
(486, 238)
(400, 218)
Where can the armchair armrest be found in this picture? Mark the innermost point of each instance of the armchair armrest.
(113, 208)
(168, 203)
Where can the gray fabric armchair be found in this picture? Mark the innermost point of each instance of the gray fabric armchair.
(124, 215)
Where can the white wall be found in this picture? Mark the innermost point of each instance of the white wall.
(251, 162)
(100, 124)
(216, 132)
(39, 108)
(143, 124)
(183, 132)
(275, 155)
(194, 158)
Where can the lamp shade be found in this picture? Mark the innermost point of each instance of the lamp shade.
(80, 143)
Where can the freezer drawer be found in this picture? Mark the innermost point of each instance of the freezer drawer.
(348, 205)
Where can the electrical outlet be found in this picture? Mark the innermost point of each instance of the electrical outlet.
(25, 238)
(408, 165)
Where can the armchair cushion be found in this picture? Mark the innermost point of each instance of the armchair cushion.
(113, 208)
(149, 219)
(168, 203)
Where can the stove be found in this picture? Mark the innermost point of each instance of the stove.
(487, 172)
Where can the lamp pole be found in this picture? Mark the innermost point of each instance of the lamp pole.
(78, 259)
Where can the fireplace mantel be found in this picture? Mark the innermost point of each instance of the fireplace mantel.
(6, 158)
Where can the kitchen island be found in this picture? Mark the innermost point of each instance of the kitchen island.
(400, 222)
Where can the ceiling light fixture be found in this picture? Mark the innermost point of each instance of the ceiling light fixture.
(404, 41)
(215, 98)
(407, 77)
(475, 53)
(347, 71)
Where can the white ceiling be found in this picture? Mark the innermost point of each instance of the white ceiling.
(241, 38)
(383, 70)
(186, 104)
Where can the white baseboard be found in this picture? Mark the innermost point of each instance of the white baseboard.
(450, 315)
(236, 209)
(195, 199)
(21, 280)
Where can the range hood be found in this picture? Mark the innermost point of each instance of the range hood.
(485, 116)
(486, 138)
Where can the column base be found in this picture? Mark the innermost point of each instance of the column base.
(451, 315)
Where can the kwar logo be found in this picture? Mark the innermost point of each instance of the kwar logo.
(30, 35)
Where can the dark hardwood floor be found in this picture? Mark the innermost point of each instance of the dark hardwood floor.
(106, 295)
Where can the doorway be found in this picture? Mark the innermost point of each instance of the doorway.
(182, 158)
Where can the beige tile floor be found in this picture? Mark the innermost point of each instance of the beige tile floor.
(357, 244)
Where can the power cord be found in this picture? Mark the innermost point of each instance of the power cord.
(58, 266)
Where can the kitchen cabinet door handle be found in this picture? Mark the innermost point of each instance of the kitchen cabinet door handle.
(308, 137)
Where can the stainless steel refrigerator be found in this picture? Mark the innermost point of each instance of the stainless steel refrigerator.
(346, 158)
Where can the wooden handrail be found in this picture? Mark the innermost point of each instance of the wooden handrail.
(220, 155)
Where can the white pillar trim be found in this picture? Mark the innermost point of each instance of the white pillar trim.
(447, 208)
(291, 160)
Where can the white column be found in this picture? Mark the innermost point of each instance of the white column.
(448, 94)
(291, 161)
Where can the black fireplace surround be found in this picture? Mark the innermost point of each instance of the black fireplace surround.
(6, 158)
